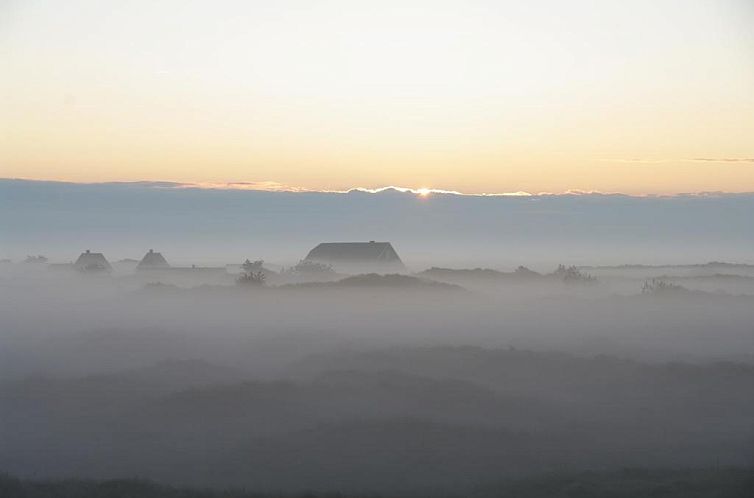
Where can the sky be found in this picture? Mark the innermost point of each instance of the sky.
(640, 97)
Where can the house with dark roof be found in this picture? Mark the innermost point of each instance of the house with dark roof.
(152, 260)
(358, 257)
(92, 262)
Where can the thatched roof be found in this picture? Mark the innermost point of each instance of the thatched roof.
(152, 260)
(354, 253)
(92, 261)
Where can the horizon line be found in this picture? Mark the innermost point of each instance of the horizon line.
(277, 187)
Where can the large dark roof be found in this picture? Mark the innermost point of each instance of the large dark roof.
(153, 260)
(92, 261)
(354, 252)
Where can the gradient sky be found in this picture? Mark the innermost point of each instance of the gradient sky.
(646, 96)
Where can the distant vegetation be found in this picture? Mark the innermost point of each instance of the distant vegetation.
(566, 274)
(394, 281)
(159, 286)
(35, 259)
(572, 275)
(658, 286)
(711, 264)
(476, 273)
(252, 273)
(480, 275)
(697, 483)
(523, 271)
(306, 267)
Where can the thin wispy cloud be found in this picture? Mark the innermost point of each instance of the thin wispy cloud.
(683, 160)
(266, 186)
(724, 159)
(641, 160)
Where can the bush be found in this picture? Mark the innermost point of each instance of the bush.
(572, 275)
(252, 273)
(307, 267)
(658, 286)
(523, 271)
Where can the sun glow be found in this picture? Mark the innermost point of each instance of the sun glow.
(423, 192)
(468, 96)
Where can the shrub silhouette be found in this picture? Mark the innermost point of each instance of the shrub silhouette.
(307, 267)
(252, 273)
(658, 286)
(523, 271)
(572, 275)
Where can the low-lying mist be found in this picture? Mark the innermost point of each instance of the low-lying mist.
(440, 380)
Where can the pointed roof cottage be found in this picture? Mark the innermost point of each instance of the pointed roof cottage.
(152, 260)
(92, 262)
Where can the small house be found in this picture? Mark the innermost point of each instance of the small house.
(152, 260)
(92, 262)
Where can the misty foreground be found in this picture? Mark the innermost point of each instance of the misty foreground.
(400, 421)
(697, 483)
(384, 386)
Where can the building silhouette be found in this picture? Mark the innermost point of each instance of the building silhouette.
(92, 262)
(358, 257)
(152, 260)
